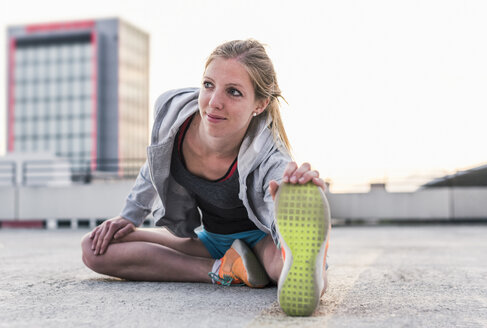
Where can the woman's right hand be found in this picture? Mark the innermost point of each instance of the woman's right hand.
(294, 174)
(114, 228)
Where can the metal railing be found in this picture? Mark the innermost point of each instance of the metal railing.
(64, 172)
(8, 173)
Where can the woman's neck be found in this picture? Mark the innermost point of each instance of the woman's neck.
(207, 145)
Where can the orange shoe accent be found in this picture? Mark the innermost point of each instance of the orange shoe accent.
(231, 264)
(326, 252)
(240, 266)
(325, 278)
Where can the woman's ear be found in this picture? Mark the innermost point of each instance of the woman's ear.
(262, 105)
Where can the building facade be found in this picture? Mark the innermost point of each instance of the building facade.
(79, 90)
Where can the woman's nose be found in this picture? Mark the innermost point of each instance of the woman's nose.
(216, 100)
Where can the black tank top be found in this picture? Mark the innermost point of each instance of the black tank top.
(222, 211)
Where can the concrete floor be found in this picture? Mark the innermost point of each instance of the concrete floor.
(382, 276)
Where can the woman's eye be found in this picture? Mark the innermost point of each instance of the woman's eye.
(234, 92)
(207, 84)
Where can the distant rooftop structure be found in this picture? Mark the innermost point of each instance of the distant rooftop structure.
(378, 187)
(475, 177)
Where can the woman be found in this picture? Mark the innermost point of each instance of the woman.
(216, 159)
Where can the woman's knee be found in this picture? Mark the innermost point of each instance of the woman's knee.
(88, 256)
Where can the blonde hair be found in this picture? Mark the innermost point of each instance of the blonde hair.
(252, 55)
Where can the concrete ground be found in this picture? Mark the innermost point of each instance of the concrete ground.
(382, 276)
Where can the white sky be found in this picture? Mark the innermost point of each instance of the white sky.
(378, 91)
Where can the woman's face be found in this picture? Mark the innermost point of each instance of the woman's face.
(227, 99)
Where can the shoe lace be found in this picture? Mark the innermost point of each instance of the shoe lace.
(225, 281)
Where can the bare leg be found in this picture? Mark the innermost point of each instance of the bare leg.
(163, 237)
(270, 257)
(142, 255)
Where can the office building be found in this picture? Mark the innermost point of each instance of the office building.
(79, 90)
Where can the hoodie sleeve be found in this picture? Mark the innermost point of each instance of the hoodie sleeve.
(274, 169)
(138, 203)
(140, 199)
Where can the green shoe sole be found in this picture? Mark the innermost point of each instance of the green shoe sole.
(303, 222)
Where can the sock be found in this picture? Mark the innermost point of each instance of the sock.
(216, 268)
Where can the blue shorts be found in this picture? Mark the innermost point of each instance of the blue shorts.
(218, 244)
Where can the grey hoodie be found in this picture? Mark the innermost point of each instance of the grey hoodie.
(260, 160)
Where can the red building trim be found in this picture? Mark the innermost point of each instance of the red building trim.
(24, 224)
(11, 95)
(34, 28)
(119, 111)
(94, 97)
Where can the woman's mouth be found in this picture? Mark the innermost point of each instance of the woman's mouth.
(214, 118)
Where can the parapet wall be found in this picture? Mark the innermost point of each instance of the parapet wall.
(88, 201)
(427, 204)
(105, 200)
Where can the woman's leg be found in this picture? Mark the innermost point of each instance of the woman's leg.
(148, 255)
(161, 236)
(270, 257)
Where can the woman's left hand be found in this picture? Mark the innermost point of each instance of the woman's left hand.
(301, 175)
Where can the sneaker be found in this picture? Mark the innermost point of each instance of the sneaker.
(239, 266)
(303, 222)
